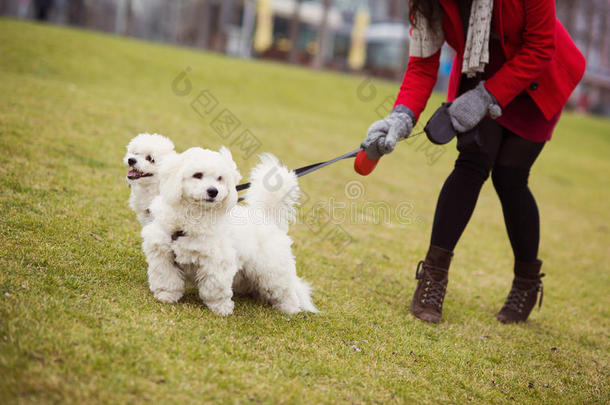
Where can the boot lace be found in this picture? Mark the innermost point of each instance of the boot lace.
(517, 296)
(434, 291)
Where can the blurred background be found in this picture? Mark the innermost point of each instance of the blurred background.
(352, 36)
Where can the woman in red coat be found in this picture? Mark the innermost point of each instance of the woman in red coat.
(514, 69)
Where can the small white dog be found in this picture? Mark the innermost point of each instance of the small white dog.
(200, 233)
(144, 154)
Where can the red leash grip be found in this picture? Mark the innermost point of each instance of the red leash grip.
(364, 166)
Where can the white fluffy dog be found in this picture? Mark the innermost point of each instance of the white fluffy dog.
(200, 233)
(144, 154)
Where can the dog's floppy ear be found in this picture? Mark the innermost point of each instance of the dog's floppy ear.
(170, 179)
(226, 154)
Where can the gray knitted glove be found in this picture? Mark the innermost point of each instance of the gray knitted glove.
(383, 135)
(471, 107)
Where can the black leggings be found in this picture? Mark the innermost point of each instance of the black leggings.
(509, 158)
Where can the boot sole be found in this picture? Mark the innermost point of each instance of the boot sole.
(436, 321)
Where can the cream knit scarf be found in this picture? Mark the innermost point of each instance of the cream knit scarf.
(428, 36)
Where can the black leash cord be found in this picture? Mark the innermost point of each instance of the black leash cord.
(302, 171)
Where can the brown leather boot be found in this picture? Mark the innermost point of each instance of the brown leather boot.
(432, 278)
(523, 294)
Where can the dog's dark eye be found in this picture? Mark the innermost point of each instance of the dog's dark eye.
(198, 175)
(150, 159)
(219, 178)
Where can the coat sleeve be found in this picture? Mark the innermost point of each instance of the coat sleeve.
(418, 82)
(533, 58)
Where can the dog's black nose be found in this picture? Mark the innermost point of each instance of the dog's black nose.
(131, 161)
(212, 192)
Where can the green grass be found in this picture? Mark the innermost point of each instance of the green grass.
(78, 324)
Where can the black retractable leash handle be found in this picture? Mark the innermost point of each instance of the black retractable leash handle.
(302, 171)
(440, 130)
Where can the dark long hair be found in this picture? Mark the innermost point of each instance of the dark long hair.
(426, 8)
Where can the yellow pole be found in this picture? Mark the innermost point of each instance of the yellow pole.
(263, 37)
(357, 52)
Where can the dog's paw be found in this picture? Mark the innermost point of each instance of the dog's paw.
(168, 297)
(223, 308)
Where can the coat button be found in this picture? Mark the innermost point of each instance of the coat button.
(534, 86)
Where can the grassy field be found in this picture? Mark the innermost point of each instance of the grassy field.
(78, 323)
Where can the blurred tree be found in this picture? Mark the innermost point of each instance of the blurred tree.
(76, 12)
(323, 37)
(205, 13)
(572, 23)
(42, 9)
(590, 14)
(124, 17)
(605, 36)
(195, 23)
(400, 8)
(224, 22)
(247, 28)
(295, 27)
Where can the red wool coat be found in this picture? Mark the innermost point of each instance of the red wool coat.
(541, 58)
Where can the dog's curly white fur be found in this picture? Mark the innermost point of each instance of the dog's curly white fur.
(223, 246)
(145, 153)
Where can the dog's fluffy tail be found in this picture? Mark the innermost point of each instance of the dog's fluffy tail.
(274, 191)
(304, 294)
